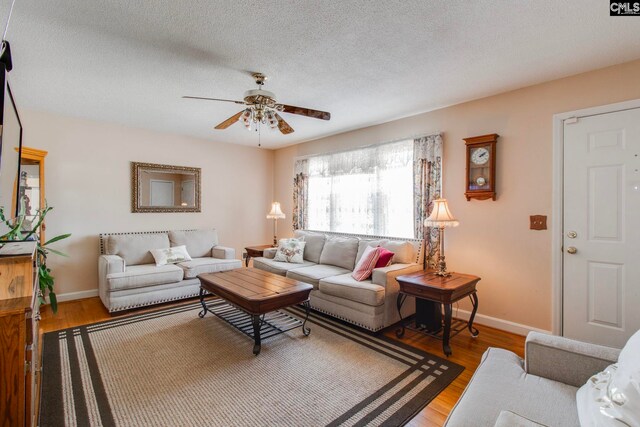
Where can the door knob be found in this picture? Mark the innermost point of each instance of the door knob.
(572, 234)
(572, 250)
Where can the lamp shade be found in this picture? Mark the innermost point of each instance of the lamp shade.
(440, 215)
(276, 212)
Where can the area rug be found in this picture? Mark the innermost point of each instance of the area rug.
(172, 368)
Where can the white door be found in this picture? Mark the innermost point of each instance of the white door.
(162, 193)
(601, 278)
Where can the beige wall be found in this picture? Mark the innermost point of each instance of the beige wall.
(88, 182)
(493, 239)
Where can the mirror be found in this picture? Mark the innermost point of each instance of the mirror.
(31, 185)
(164, 188)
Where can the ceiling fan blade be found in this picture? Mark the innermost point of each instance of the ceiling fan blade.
(231, 120)
(215, 99)
(323, 115)
(282, 125)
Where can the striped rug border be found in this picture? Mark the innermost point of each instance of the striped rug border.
(420, 366)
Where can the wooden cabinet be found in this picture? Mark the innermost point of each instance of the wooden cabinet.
(19, 335)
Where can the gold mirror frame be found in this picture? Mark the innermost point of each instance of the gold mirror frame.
(136, 207)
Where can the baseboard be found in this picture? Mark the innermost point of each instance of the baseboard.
(493, 322)
(77, 295)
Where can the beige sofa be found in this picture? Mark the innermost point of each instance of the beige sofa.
(128, 276)
(329, 260)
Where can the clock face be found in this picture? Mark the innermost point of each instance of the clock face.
(481, 181)
(480, 156)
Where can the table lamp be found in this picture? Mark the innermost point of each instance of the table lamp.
(275, 214)
(441, 217)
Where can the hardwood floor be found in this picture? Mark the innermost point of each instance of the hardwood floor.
(467, 351)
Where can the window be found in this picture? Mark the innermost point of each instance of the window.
(365, 191)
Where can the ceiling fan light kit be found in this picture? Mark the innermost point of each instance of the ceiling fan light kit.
(262, 108)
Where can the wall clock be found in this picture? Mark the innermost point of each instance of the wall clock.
(481, 167)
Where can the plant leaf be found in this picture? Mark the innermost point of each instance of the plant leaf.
(58, 252)
(54, 301)
(57, 238)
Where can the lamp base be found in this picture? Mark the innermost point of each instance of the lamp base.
(443, 273)
(442, 266)
(275, 242)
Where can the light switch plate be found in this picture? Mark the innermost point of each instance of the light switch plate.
(538, 222)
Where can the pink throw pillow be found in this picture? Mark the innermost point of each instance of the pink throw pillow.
(366, 264)
(385, 257)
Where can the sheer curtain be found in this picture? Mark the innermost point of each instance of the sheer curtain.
(364, 191)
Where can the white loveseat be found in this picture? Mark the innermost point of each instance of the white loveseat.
(129, 277)
(329, 260)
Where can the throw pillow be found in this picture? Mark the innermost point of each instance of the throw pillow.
(612, 397)
(366, 264)
(290, 250)
(170, 255)
(385, 257)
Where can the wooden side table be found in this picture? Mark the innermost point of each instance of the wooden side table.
(255, 252)
(442, 290)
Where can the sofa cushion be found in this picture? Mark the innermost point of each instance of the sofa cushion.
(365, 243)
(404, 252)
(208, 265)
(198, 242)
(510, 419)
(135, 248)
(345, 286)
(140, 276)
(277, 267)
(501, 383)
(340, 251)
(315, 243)
(314, 273)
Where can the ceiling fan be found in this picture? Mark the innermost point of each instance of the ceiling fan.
(262, 108)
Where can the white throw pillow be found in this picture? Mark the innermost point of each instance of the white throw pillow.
(170, 255)
(612, 397)
(290, 250)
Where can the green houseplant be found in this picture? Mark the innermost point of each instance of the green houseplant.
(16, 231)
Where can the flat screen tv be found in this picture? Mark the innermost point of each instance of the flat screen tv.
(10, 147)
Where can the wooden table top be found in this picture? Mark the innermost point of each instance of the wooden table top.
(426, 284)
(258, 248)
(256, 291)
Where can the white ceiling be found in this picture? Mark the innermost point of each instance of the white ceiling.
(366, 62)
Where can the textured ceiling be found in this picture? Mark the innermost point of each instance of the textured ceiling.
(366, 62)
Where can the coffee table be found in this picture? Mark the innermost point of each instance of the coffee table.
(252, 299)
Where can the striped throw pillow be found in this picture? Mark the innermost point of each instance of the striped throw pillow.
(366, 264)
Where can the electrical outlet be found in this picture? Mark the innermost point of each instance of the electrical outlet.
(538, 222)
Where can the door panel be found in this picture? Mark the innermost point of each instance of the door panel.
(605, 294)
(605, 203)
(601, 279)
